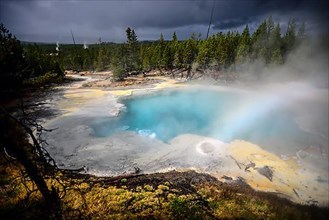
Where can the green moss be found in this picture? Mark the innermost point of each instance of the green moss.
(184, 208)
(148, 188)
(163, 187)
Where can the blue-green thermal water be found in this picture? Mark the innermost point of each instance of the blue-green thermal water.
(222, 115)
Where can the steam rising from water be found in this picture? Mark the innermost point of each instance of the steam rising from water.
(307, 64)
(300, 85)
(248, 112)
(85, 45)
(57, 46)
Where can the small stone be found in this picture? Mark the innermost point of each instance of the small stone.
(266, 171)
(227, 178)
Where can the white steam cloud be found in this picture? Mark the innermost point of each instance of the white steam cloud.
(301, 84)
(308, 63)
(57, 46)
(85, 45)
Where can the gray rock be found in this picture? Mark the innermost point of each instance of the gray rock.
(266, 171)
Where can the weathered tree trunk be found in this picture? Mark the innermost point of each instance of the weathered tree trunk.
(16, 144)
(50, 196)
(188, 75)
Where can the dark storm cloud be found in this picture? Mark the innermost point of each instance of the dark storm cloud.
(241, 12)
(52, 20)
(231, 23)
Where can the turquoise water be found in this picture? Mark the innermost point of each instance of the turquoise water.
(222, 115)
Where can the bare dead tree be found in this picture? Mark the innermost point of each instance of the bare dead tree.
(211, 15)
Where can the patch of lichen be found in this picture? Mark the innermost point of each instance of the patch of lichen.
(228, 202)
(141, 202)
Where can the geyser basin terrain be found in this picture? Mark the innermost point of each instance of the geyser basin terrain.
(197, 128)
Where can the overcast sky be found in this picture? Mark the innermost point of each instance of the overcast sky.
(89, 20)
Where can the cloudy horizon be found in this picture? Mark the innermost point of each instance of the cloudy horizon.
(53, 20)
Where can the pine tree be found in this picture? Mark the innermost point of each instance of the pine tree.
(243, 49)
(102, 59)
(190, 53)
(259, 43)
(160, 52)
(33, 56)
(301, 35)
(275, 45)
(145, 58)
(220, 53)
(12, 62)
(174, 38)
(119, 63)
(191, 50)
(132, 50)
(174, 48)
(203, 57)
(290, 36)
(179, 55)
(231, 41)
(270, 26)
(276, 57)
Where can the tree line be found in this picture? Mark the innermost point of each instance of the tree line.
(22, 66)
(220, 52)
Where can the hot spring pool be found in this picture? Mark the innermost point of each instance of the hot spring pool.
(224, 115)
(284, 127)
